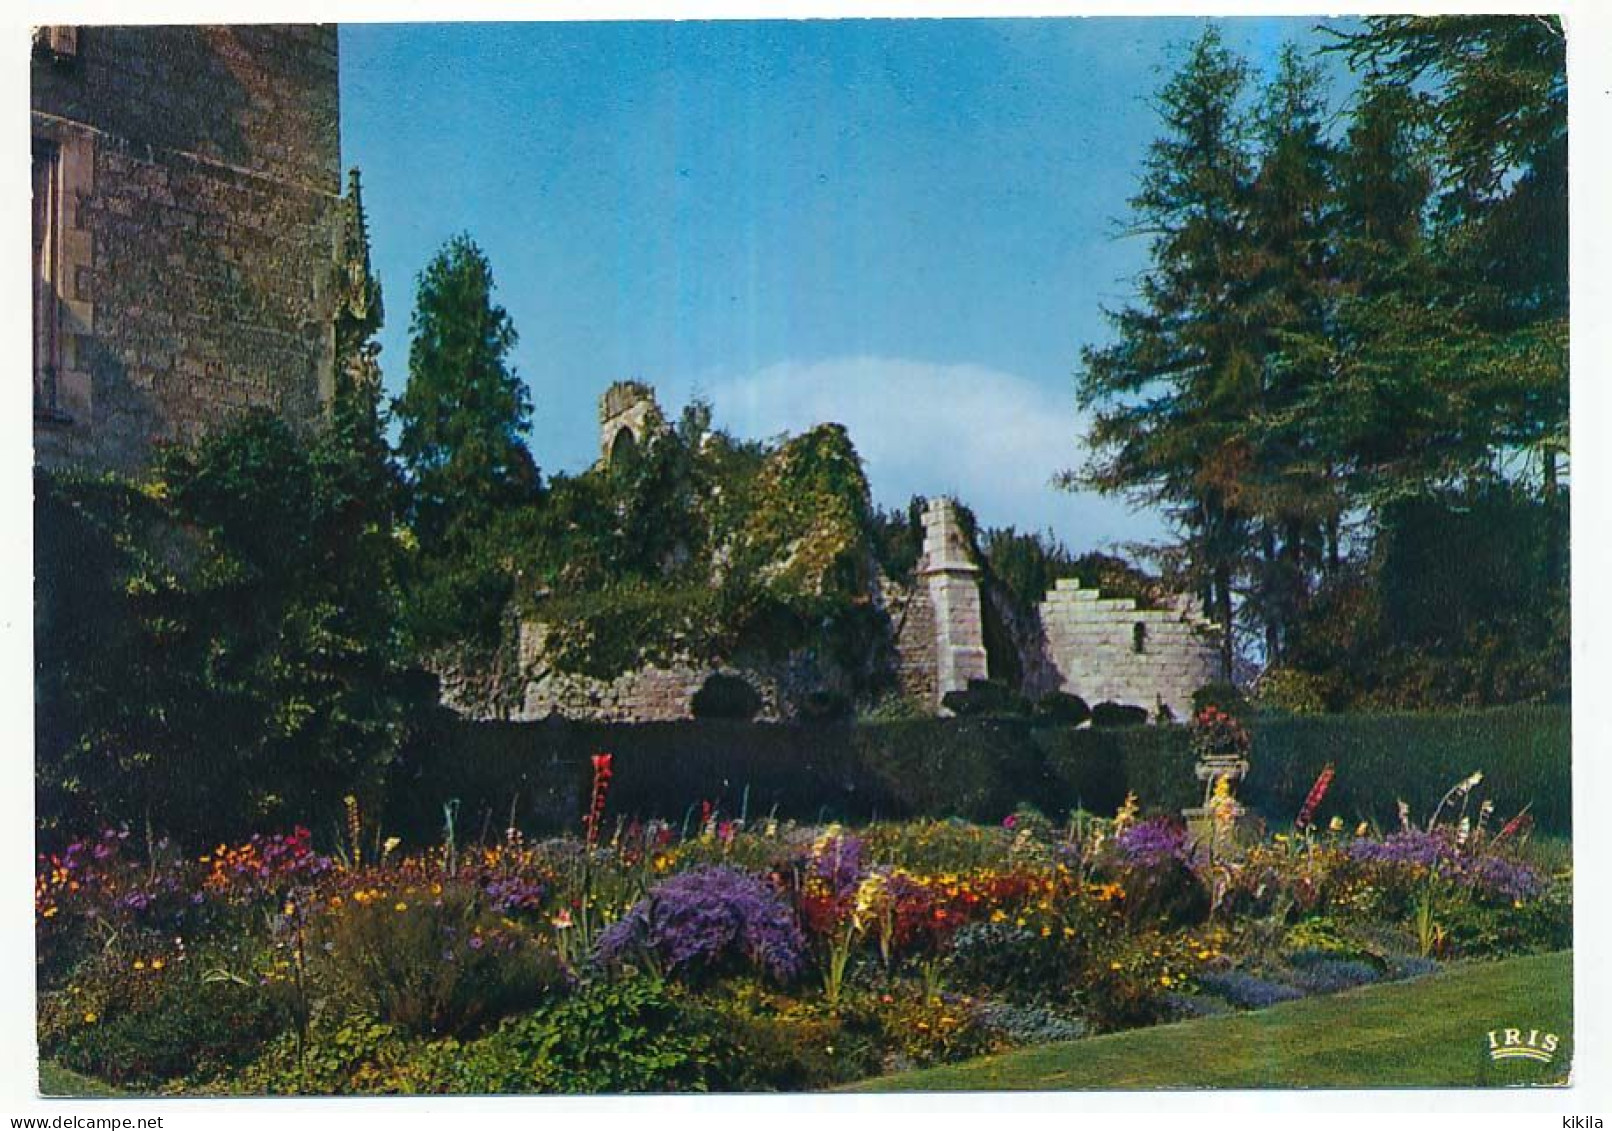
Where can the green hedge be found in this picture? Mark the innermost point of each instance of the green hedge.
(976, 768)
(1525, 754)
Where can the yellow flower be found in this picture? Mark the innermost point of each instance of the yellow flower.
(1164, 980)
(156, 964)
(1205, 955)
(1336, 825)
(1115, 966)
(89, 1019)
(401, 906)
(1360, 829)
(139, 964)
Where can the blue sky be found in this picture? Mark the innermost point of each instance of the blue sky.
(907, 226)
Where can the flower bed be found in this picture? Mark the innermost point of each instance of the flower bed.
(735, 954)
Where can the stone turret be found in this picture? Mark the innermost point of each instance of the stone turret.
(948, 570)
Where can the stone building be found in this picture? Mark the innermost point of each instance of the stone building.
(186, 189)
(950, 626)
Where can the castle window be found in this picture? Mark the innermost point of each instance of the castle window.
(47, 231)
(1139, 637)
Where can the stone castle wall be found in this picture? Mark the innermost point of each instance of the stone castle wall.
(912, 624)
(199, 177)
(1107, 650)
(534, 690)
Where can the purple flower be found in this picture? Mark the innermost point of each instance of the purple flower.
(1149, 843)
(515, 893)
(1497, 877)
(1488, 875)
(708, 917)
(838, 861)
(1413, 847)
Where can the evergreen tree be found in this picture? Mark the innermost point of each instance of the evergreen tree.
(1172, 393)
(1292, 487)
(464, 409)
(471, 477)
(1496, 105)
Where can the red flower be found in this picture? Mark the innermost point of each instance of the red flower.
(601, 786)
(1313, 801)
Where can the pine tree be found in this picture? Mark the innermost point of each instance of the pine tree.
(1292, 487)
(1170, 395)
(470, 476)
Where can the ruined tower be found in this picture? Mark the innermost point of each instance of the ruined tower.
(628, 417)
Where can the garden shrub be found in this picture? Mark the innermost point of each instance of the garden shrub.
(1016, 1024)
(1129, 980)
(1016, 963)
(826, 706)
(724, 696)
(1118, 715)
(343, 1054)
(145, 1028)
(769, 1043)
(439, 962)
(706, 922)
(1161, 889)
(1062, 709)
(1245, 991)
(986, 697)
(625, 1035)
(220, 646)
(1476, 930)
(1292, 691)
(922, 1031)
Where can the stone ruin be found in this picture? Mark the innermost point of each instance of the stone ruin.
(1103, 649)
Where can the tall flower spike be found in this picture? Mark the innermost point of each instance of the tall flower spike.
(1318, 792)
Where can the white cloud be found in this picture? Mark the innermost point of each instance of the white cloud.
(992, 439)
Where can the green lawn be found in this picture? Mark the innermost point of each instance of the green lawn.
(1427, 1033)
(54, 1080)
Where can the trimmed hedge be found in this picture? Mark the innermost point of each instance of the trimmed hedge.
(1525, 754)
(976, 768)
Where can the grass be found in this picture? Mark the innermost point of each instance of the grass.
(54, 1080)
(1426, 1033)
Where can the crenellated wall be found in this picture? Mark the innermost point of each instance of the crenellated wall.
(1107, 650)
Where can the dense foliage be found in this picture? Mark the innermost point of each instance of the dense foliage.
(1339, 335)
(472, 481)
(222, 646)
